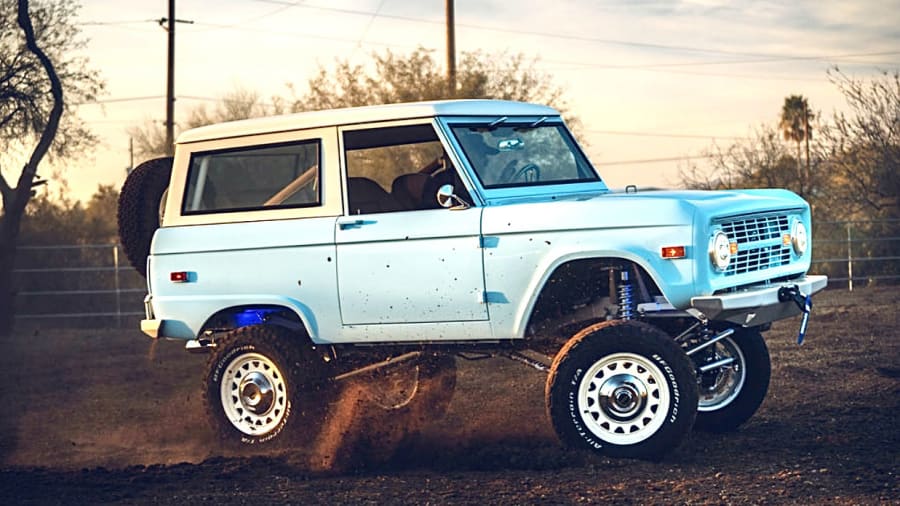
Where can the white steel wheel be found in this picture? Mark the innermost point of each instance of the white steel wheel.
(623, 398)
(253, 393)
(622, 389)
(721, 386)
(264, 386)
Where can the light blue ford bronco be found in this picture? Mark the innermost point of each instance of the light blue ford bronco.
(383, 243)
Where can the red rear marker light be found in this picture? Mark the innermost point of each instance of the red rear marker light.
(671, 252)
(178, 277)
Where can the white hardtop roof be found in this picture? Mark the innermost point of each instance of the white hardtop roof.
(370, 114)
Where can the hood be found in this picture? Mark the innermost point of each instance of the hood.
(637, 210)
(722, 202)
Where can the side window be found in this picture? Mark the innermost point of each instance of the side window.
(268, 177)
(395, 169)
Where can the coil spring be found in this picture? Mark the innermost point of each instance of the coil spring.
(626, 297)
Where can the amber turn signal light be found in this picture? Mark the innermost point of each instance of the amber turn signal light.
(671, 252)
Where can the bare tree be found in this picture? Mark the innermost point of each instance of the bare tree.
(34, 75)
(758, 161)
(864, 145)
(240, 103)
(418, 76)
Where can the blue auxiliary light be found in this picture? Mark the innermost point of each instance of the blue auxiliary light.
(252, 316)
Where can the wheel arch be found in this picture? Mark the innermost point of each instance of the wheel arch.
(564, 270)
(245, 314)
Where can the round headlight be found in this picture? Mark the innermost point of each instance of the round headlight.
(720, 250)
(799, 238)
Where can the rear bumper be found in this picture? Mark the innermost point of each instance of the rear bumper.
(150, 325)
(756, 306)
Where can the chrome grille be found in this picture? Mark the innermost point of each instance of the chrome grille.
(760, 244)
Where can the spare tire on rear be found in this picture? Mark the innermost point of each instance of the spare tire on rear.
(140, 209)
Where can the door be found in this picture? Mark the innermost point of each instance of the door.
(411, 267)
(400, 257)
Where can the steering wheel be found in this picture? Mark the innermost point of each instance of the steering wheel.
(529, 172)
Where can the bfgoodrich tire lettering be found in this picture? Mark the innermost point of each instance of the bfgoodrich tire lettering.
(260, 383)
(622, 389)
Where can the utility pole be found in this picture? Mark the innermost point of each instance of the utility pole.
(808, 135)
(168, 24)
(170, 84)
(451, 48)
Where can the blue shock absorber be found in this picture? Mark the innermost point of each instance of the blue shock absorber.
(626, 297)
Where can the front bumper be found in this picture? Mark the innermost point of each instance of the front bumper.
(756, 305)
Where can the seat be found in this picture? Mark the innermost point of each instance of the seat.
(366, 196)
(408, 190)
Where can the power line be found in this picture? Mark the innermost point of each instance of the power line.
(581, 38)
(715, 74)
(654, 134)
(657, 160)
(754, 58)
(115, 23)
(298, 35)
(214, 26)
(123, 99)
(518, 31)
(830, 58)
(365, 31)
(205, 99)
(570, 66)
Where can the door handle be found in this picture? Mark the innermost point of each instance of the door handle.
(346, 225)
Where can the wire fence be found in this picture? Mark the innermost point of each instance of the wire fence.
(92, 285)
(81, 285)
(857, 253)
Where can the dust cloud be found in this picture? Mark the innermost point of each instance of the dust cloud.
(89, 404)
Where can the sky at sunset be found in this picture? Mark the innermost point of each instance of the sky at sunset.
(654, 83)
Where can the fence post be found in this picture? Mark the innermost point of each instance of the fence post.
(849, 256)
(118, 292)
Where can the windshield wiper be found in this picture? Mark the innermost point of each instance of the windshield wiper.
(497, 122)
(524, 128)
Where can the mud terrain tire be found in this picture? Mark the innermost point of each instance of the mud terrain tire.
(622, 389)
(139, 209)
(263, 387)
(729, 397)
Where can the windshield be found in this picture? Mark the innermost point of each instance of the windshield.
(510, 155)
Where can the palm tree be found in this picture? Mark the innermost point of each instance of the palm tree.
(795, 116)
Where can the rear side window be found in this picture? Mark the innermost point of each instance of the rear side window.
(267, 177)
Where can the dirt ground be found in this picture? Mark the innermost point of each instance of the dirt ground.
(107, 417)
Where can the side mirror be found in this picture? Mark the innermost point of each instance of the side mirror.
(448, 200)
